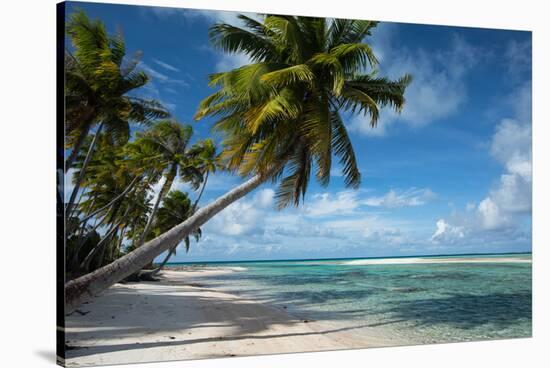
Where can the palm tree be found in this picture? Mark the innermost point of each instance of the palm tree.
(110, 188)
(206, 161)
(280, 118)
(175, 209)
(99, 81)
(164, 147)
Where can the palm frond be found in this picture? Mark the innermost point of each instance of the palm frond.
(343, 149)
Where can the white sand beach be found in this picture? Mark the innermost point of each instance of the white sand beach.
(178, 319)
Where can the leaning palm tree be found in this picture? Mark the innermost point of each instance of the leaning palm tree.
(99, 82)
(165, 148)
(206, 162)
(175, 209)
(280, 116)
(110, 187)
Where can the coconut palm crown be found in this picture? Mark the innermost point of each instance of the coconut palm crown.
(283, 109)
(100, 80)
(280, 117)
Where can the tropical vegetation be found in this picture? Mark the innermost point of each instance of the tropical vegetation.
(280, 117)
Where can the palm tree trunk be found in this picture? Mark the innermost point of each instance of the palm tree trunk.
(69, 207)
(87, 260)
(151, 274)
(97, 224)
(128, 188)
(194, 208)
(173, 250)
(74, 152)
(165, 188)
(86, 263)
(86, 287)
(116, 250)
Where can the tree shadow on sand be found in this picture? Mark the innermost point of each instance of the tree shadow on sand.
(100, 349)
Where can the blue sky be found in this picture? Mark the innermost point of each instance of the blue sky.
(451, 174)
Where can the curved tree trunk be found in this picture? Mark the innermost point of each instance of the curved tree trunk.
(128, 188)
(194, 208)
(88, 118)
(172, 251)
(165, 188)
(81, 243)
(69, 207)
(150, 275)
(88, 259)
(86, 287)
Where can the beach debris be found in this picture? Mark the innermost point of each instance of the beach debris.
(79, 312)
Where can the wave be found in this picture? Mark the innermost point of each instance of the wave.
(389, 261)
(234, 268)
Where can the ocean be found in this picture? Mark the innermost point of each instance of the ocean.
(419, 300)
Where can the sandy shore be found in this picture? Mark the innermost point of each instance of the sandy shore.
(178, 319)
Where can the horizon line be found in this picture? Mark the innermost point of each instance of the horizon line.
(348, 258)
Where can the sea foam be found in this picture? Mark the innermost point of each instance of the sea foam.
(389, 261)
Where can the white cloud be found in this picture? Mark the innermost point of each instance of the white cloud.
(238, 218)
(438, 88)
(511, 145)
(508, 203)
(226, 61)
(242, 217)
(447, 233)
(264, 197)
(231, 61)
(327, 204)
(407, 198)
(154, 74)
(490, 215)
(163, 11)
(517, 57)
(159, 77)
(387, 236)
(511, 142)
(190, 15)
(166, 65)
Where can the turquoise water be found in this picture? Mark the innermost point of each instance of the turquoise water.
(475, 299)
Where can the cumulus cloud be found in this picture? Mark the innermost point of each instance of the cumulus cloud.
(438, 88)
(508, 203)
(326, 204)
(511, 145)
(447, 233)
(264, 198)
(328, 222)
(243, 217)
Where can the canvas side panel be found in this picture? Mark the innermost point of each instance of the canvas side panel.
(60, 159)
